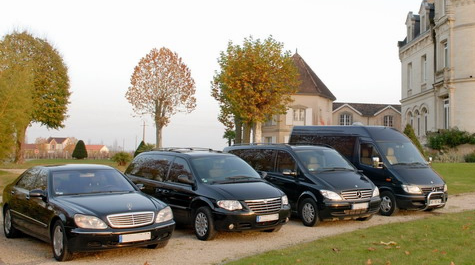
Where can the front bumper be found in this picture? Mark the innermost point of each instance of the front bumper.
(80, 240)
(431, 200)
(345, 210)
(245, 221)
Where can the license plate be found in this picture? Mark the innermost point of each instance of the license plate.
(267, 218)
(358, 206)
(135, 237)
(435, 202)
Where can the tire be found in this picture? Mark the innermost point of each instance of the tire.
(59, 242)
(203, 224)
(308, 212)
(158, 245)
(388, 204)
(8, 227)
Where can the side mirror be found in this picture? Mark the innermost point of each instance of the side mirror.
(288, 172)
(37, 193)
(185, 179)
(377, 163)
(263, 174)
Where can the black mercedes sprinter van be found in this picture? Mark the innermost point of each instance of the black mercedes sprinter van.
(319, 183)
(388, 158)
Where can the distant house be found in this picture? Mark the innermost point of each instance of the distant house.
(312, 106)
(57, 144)
(367, 114)
(97, 150)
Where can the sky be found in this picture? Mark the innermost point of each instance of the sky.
(351, 45)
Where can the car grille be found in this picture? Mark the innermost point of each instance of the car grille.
(266, 206)
(352, 195)
(125, 220)
(432, 189)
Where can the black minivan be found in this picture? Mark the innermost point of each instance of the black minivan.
(389, 158)
(319, 182)
(210, 190)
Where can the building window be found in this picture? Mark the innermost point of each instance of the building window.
(418, 123)
(271, 121)
(424, 116)
(268, 140)
(424, 69)
(409, 79)
(388, 120)
(299, 115)
(446, 113)
(446, 54)
(346, 119)
(423, 23)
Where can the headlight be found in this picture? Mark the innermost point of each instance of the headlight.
(375, 192)
(164, 215)
(285, 200)
(445, 187)
(331, 195)
(230, 205)
(87, 221)
(411, 189)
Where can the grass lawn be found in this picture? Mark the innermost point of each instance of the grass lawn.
(437, 240)
(460, 177)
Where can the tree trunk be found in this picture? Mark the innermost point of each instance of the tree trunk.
(257, 135)
(246, 138)
(158, 130)
(238, 125)
(20, 138)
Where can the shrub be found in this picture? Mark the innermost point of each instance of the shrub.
(122, 158)
(470, 158)
(80, 151)
(449, 138)
(409, 132)
(143, 147)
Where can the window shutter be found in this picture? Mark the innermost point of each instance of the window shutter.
(308, 117)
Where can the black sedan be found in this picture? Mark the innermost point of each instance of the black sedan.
(79, 208)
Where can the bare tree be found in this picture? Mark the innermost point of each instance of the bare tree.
(161, 85)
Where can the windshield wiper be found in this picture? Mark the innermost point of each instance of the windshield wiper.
(234, 179)
(325, 169)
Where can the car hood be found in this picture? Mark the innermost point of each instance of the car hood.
(345, 180)
(417, 175)
(247, 191)
(105, 204)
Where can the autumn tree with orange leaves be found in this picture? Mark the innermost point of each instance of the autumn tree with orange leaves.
(256, 81)
(161, 86)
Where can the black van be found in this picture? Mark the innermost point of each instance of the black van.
(388, 158)
(320, 184)
(210, 190)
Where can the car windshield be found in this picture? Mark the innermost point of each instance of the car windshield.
(223, 169)
(318, 160)
(87, 181)
(402, 153)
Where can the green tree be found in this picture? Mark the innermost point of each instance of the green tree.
(409, 132)
(161, 85)
(50, 82)
(80, 151)
(14, 106)
(256, 81)
(143, 147)
(122, 158)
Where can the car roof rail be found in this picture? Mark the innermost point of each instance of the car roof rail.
(246, 144)
(186, 149)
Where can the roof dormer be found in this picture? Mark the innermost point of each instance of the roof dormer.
(413, 26)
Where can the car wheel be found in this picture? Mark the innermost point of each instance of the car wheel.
(388, 204)
(204, 224)
(8, 228)
(308, 212)
(158, 245)
(59, 242)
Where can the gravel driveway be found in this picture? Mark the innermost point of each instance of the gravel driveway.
(184, 248)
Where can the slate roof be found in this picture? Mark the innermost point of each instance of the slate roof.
(310, 83)
(366, 109)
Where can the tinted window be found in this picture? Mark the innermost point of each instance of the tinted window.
(179, 167)
(41, 180)
(214, 169)
(89, 181)
(28, 179)
(367, 152)
(343, 144)
(150, 166)
(259, 159)
(285, 162)
(322, 159)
